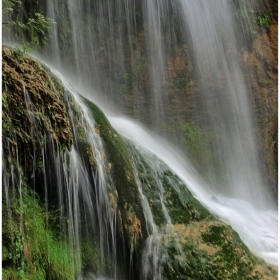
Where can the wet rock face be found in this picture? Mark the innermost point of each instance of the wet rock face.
(261, 66)
(208, 249)
(197, 247)
(260, 71)
(32, 105)
(273, 5)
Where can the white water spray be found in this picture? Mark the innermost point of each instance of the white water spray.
(114, 42)
(257, 228)
(210, 30)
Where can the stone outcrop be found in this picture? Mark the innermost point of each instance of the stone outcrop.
(32, 103)
(261, 69)
(197, 245)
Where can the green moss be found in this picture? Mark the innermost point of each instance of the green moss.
(182, 206)
(208, 250)
(233, 260)
(123, 176)
(32, 250)
(185, 261)
(164, 190)
(214, 235)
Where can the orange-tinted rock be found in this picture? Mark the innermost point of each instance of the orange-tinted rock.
(262, 71)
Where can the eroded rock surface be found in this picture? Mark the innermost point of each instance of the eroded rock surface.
(262, 71)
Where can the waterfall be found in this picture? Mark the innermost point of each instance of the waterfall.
(215, 46)
(83, 192)
(86, 193)
(166, 64)
(260, 235)
(124, 49)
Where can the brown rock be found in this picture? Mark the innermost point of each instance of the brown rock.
(262, 73)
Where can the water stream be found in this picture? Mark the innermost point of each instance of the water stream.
(122, 50)
(257, 228)
(111, 44)
(84, 193)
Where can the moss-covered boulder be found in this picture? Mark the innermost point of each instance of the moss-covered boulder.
(209, 250)
(128, 197)
(188, 243)
(40, 116)
(32, 107)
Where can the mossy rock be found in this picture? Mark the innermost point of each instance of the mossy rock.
(209, 249)
(31, 249)
(33, 109)
(131, 213)
(164, 189)
(181, 204)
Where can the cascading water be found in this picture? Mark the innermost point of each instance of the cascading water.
(114, 42)
(83, 192)
(123, 49)
(260, 234)
(214, 41)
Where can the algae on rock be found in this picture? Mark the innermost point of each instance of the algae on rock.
(37, 110)
(118, 156)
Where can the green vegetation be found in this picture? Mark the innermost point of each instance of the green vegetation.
(208, 250)
(30, 27)
(33, 247)
(263, 20)
(232, 259)
(181, 80)
(253, 21)
(132, 219)
(19, 54)
(8, 6)
(253, 18)
(31, 250)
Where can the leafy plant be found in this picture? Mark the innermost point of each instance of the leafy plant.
(9, 5)
(263, 21)
(37, 28)
(17, 254)
(31, 29)
(20, 53)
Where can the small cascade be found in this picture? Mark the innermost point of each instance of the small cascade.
(83, 193)
(89, 188)
(107, 198)
(149, 175)
(153, 177)
(256, 227)
(128, 51)
(166, 219)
